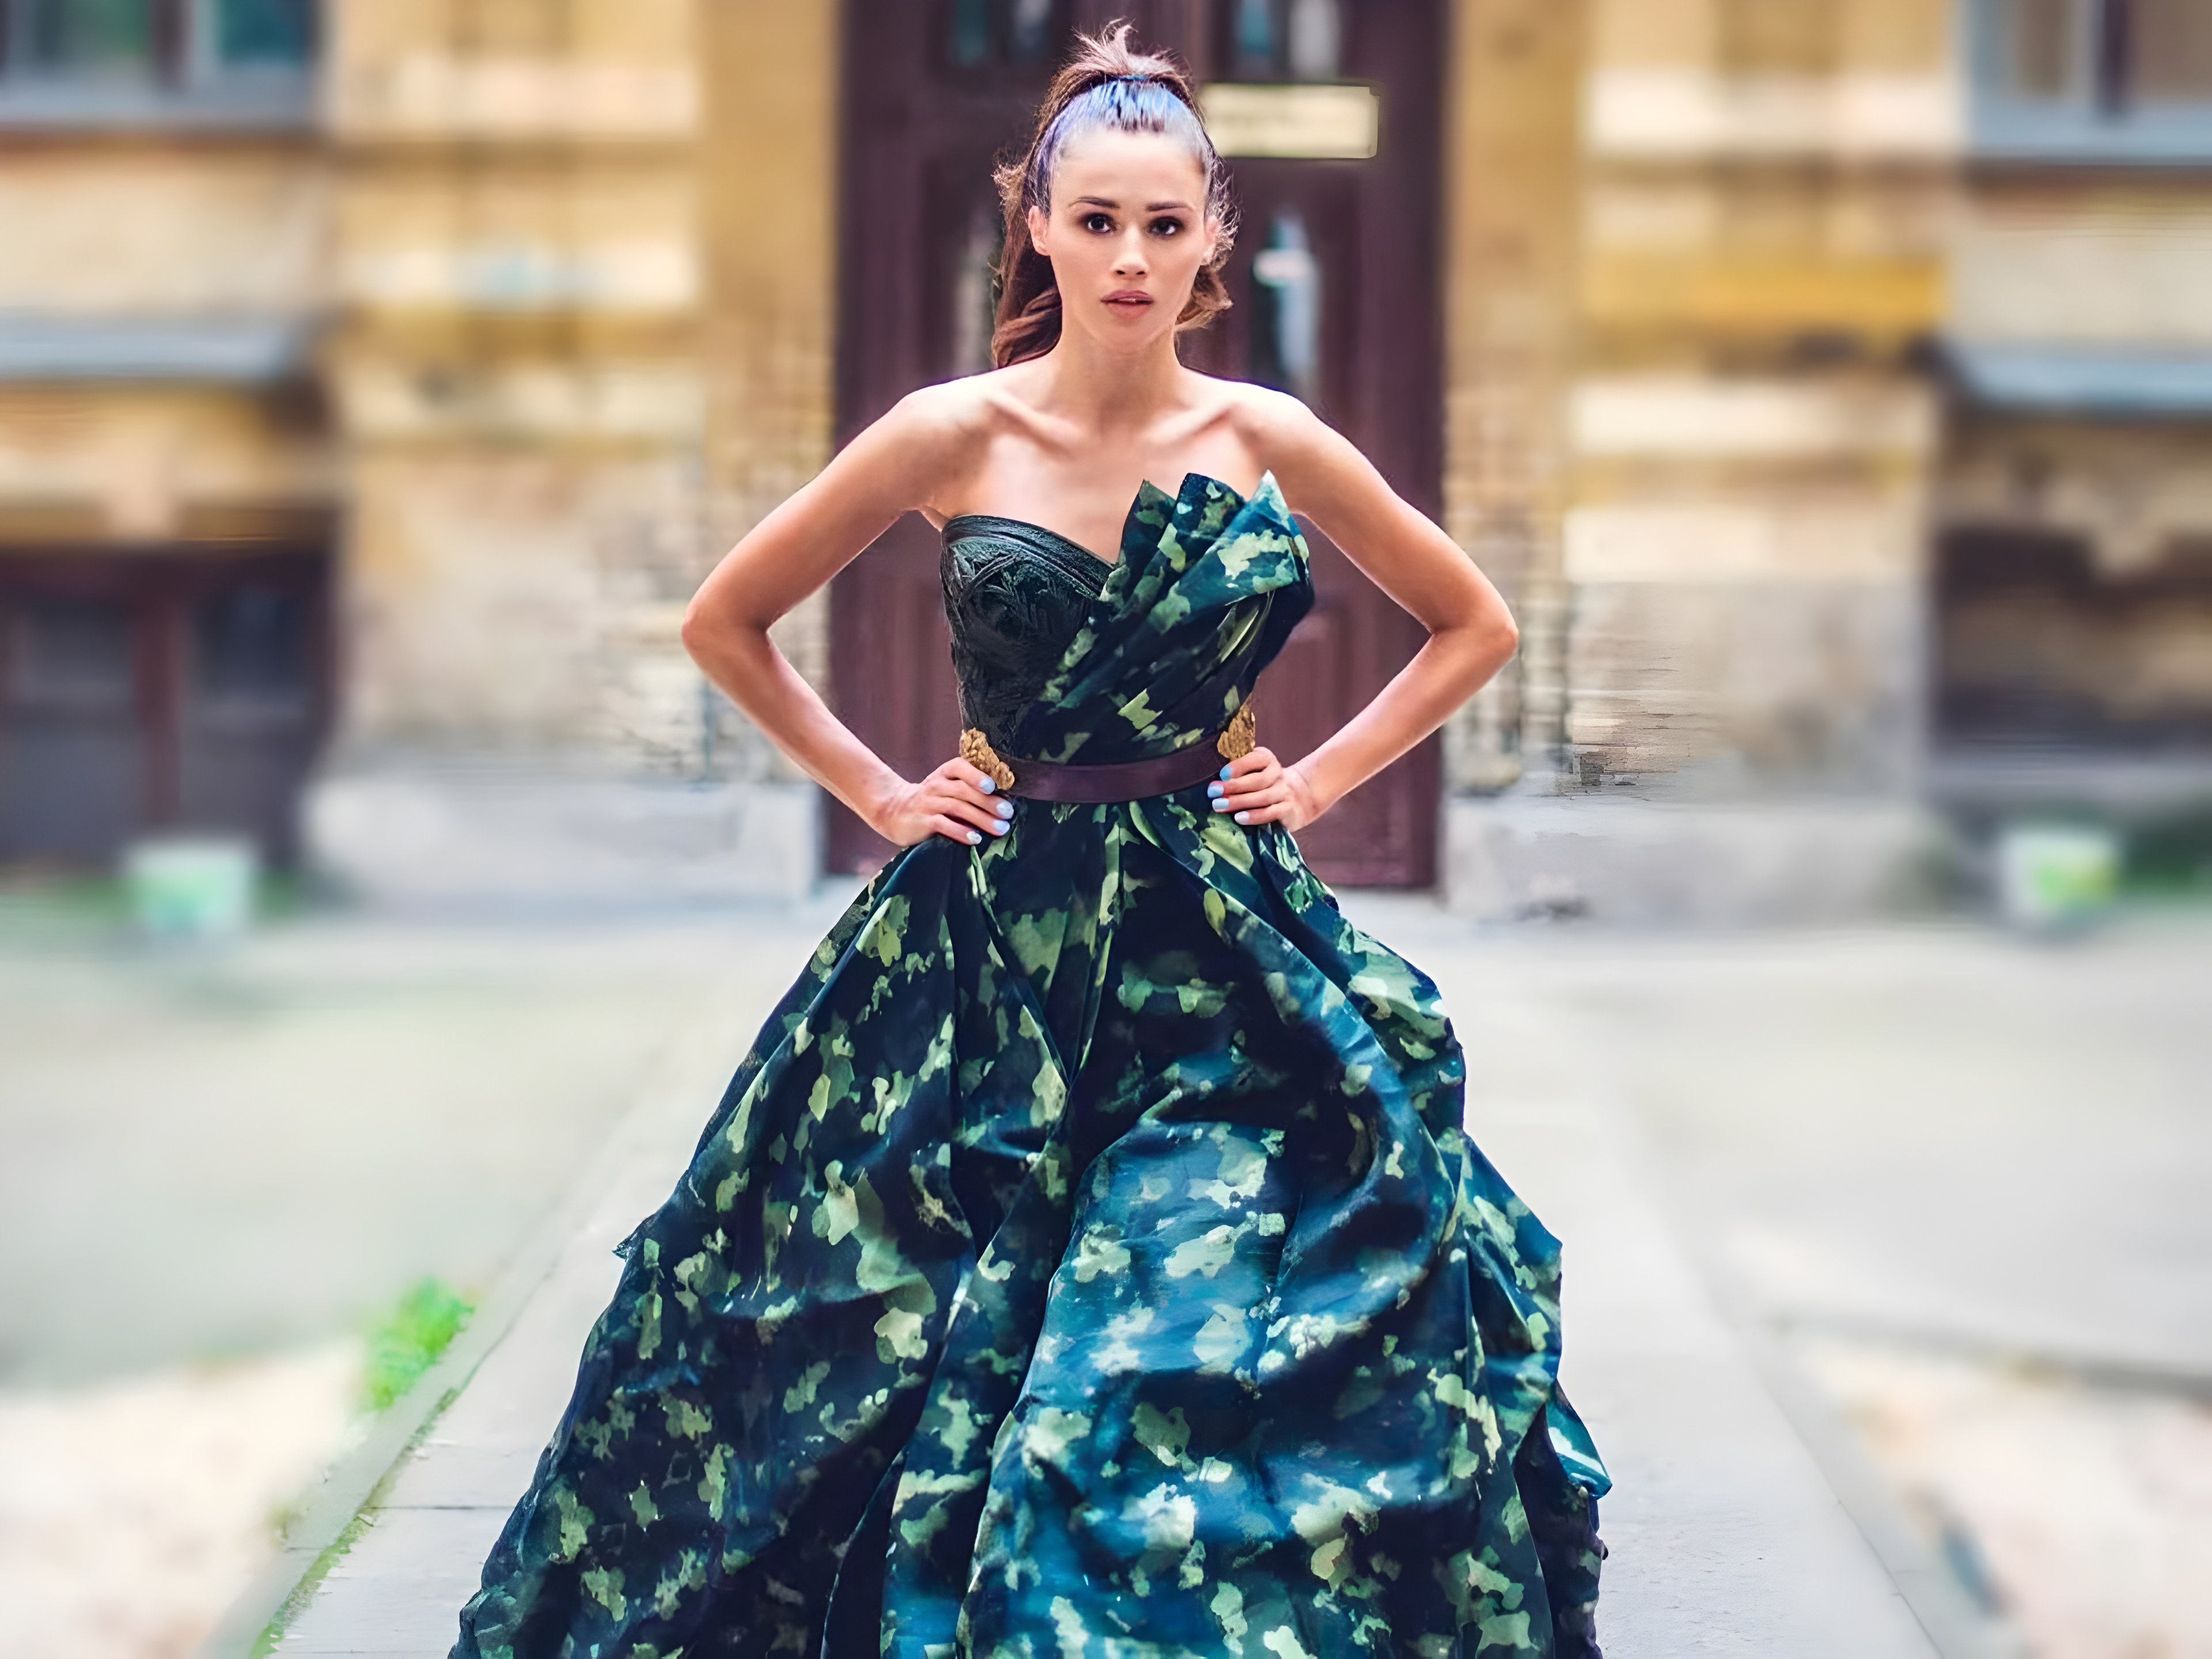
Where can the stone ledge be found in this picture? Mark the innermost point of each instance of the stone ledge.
(432, 833)
(1532, 858)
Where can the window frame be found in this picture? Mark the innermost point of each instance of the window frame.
(184, 83)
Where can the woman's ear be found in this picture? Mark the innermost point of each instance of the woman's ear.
(1037, 222)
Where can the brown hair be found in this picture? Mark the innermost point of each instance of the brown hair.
(1105, 85)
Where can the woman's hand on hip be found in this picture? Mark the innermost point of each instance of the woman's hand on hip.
(1257, 788)
(957, 801)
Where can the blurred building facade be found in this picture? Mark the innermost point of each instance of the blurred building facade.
(1824, 380)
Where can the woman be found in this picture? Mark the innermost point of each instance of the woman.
(1088, 1258)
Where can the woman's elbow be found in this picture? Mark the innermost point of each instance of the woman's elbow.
(1505, 635)
(1492, 636)
(696, 630)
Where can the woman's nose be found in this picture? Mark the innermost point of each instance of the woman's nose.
(1129, 258)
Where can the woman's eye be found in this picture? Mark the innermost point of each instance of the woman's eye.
(1166, 227)
(1097, 221)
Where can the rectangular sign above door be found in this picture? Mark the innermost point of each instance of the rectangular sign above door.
(1299, 120)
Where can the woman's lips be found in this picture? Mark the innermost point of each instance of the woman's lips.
(1129, 300)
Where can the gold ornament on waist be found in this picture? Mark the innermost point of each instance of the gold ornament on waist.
(975, 748)
(1241, 735)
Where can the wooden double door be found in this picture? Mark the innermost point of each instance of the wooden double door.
(1335, 281)
(162, 690)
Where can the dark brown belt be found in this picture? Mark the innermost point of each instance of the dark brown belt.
(1160, 775)
(1137, 779)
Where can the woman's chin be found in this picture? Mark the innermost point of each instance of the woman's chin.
(1128, 327)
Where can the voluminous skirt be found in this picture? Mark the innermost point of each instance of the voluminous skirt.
(1088, 1259)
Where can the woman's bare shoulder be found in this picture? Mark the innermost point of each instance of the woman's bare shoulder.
(950, 426)
(1275, 425)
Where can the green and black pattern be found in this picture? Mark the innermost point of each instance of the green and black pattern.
(1088, 1262)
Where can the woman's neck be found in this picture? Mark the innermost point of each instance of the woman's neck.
(1110, 393)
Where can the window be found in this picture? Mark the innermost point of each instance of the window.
(2117, 56)
(1285, 300)
(2103, 79)
(1283, 40)
(2165, 55)
(73, 651)
(251, 644)
(2038, 57)
(258, 34)
(987, 34)
(171, 43)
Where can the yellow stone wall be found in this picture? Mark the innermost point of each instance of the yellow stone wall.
(771, 238)
(579, 266)
(1512, 173)
(584, 259)
(84, 468)
(1765, 209)
(170, 230)
(176, 229)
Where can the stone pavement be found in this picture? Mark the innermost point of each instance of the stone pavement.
(253, 1146)
(1728, 1536)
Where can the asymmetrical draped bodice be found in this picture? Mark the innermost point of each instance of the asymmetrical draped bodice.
(1061, 656)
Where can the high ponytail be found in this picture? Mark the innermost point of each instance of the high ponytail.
(1106, 85)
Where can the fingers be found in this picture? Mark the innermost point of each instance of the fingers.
(952, 829)
(964, 804)
(961, 771)
(974, 817)
(1246, 782)
(968, 783)
(1264, 806)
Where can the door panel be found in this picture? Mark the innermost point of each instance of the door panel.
(73, 761)
(250, 713)
(1335, 291)
(155, 691)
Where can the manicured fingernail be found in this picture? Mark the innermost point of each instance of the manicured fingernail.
(1243, 818)
(1000, 827)
(1222, 805)
(987, 785)
(1213, 789)
(975, 837)
(1224, 771)
(1006, 808)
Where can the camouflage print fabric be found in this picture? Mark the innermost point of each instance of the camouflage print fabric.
(1088, 1262)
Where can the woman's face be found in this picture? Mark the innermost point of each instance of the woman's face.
(1127, 236)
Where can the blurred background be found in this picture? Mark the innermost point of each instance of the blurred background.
(1827, 383)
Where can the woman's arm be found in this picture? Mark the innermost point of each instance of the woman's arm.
(1471, 633)
(892, 466)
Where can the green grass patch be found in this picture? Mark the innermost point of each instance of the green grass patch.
(408, 1340)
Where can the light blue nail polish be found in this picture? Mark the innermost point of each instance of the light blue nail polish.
(987, 785)
(1213, 789)
(1000, 828)
(975, 837)
(1243, 818)
(1224, 771)
(1005, 809)
(1221, 806)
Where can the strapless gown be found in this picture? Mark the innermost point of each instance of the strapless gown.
(1089, 1258)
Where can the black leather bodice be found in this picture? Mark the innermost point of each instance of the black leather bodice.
(1015, 595)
